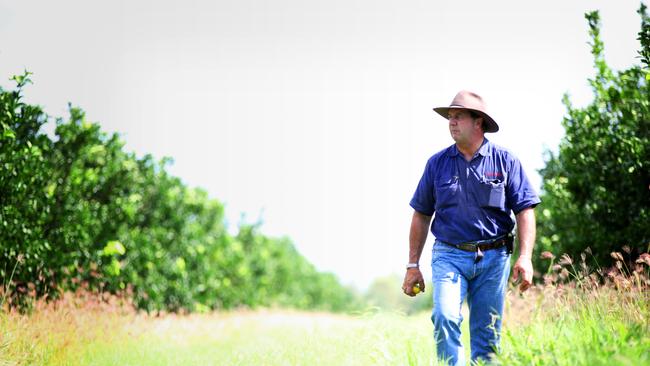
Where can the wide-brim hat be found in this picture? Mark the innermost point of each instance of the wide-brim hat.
(473, 102)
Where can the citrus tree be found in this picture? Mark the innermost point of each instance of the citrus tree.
(596, 189)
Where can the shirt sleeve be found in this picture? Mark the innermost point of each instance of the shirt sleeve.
(424, 200)
(520, 194)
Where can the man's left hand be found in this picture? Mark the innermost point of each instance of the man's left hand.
(524, 268)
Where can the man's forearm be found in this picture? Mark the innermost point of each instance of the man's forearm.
(418, 235)
(526, 232)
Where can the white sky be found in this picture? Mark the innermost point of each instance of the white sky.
(313, 115)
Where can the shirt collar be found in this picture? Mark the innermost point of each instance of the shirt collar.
(484, 150)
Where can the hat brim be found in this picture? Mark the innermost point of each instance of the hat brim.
(490, 124)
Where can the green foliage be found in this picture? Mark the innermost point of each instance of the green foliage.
(596, 190)
(644, 36)
(24, 199)
(77, 211)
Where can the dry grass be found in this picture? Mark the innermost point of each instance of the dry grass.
(53, 330)
(581, 315)
(624, 287)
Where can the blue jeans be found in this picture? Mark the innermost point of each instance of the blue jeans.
(455, 277)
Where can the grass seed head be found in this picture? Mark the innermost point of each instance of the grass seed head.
(547, 255)
(566, 260)
(617, 255)
(644, 258)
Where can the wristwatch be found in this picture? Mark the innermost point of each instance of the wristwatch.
(412, 265)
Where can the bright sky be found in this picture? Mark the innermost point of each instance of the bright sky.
(314, 116)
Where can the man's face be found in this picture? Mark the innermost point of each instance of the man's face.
(461, 125)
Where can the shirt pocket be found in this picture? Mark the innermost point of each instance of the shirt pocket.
(446, 192)
(492, 194)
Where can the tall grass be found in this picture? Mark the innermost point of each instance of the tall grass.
(577, 317)
(52, 332)
(581, 316)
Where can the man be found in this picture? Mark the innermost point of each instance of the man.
(472, 187)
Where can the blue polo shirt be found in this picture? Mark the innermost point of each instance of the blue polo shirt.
(473, 200)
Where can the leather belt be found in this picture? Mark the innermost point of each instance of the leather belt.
(470, 247)
(478, 248)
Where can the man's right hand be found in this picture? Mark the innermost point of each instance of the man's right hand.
(413, 276)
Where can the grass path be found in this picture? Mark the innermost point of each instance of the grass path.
(269, 338)
(594, 335)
